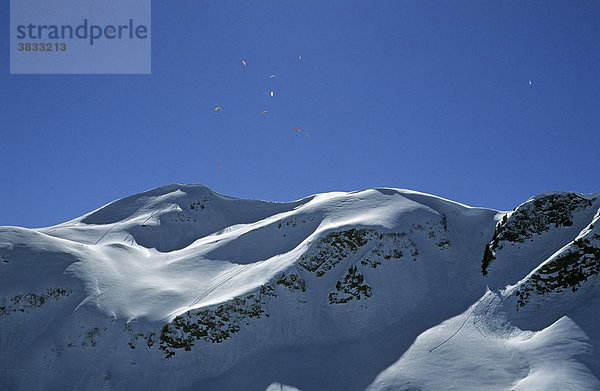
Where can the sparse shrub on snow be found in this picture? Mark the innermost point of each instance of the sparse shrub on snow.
(292, 282)
(334, 248)
(533, 218)
(29, 301)
(350, 287)
(214, 324)
(567, 271)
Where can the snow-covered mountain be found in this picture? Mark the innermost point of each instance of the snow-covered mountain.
(181, 288)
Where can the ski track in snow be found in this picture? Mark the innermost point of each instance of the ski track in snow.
(222, 280)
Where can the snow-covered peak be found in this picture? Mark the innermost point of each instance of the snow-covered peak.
(150, 255)
(127, 207)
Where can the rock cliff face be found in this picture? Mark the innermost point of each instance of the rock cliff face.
(182, 288)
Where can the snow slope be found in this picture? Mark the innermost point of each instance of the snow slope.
(183, 288)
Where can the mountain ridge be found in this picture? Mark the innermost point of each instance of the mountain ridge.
(180, 273)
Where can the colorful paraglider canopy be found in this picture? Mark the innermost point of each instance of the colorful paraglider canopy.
(243, 63)
(272, 76)
(218, 108)
(264, 112)
(301, 131)
(272, 93)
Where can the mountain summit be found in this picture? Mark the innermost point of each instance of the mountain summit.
(182, 288)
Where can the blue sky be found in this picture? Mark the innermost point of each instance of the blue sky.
(425, 95)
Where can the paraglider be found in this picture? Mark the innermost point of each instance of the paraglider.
(530, 84)
(301, 131)
(273, 84)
